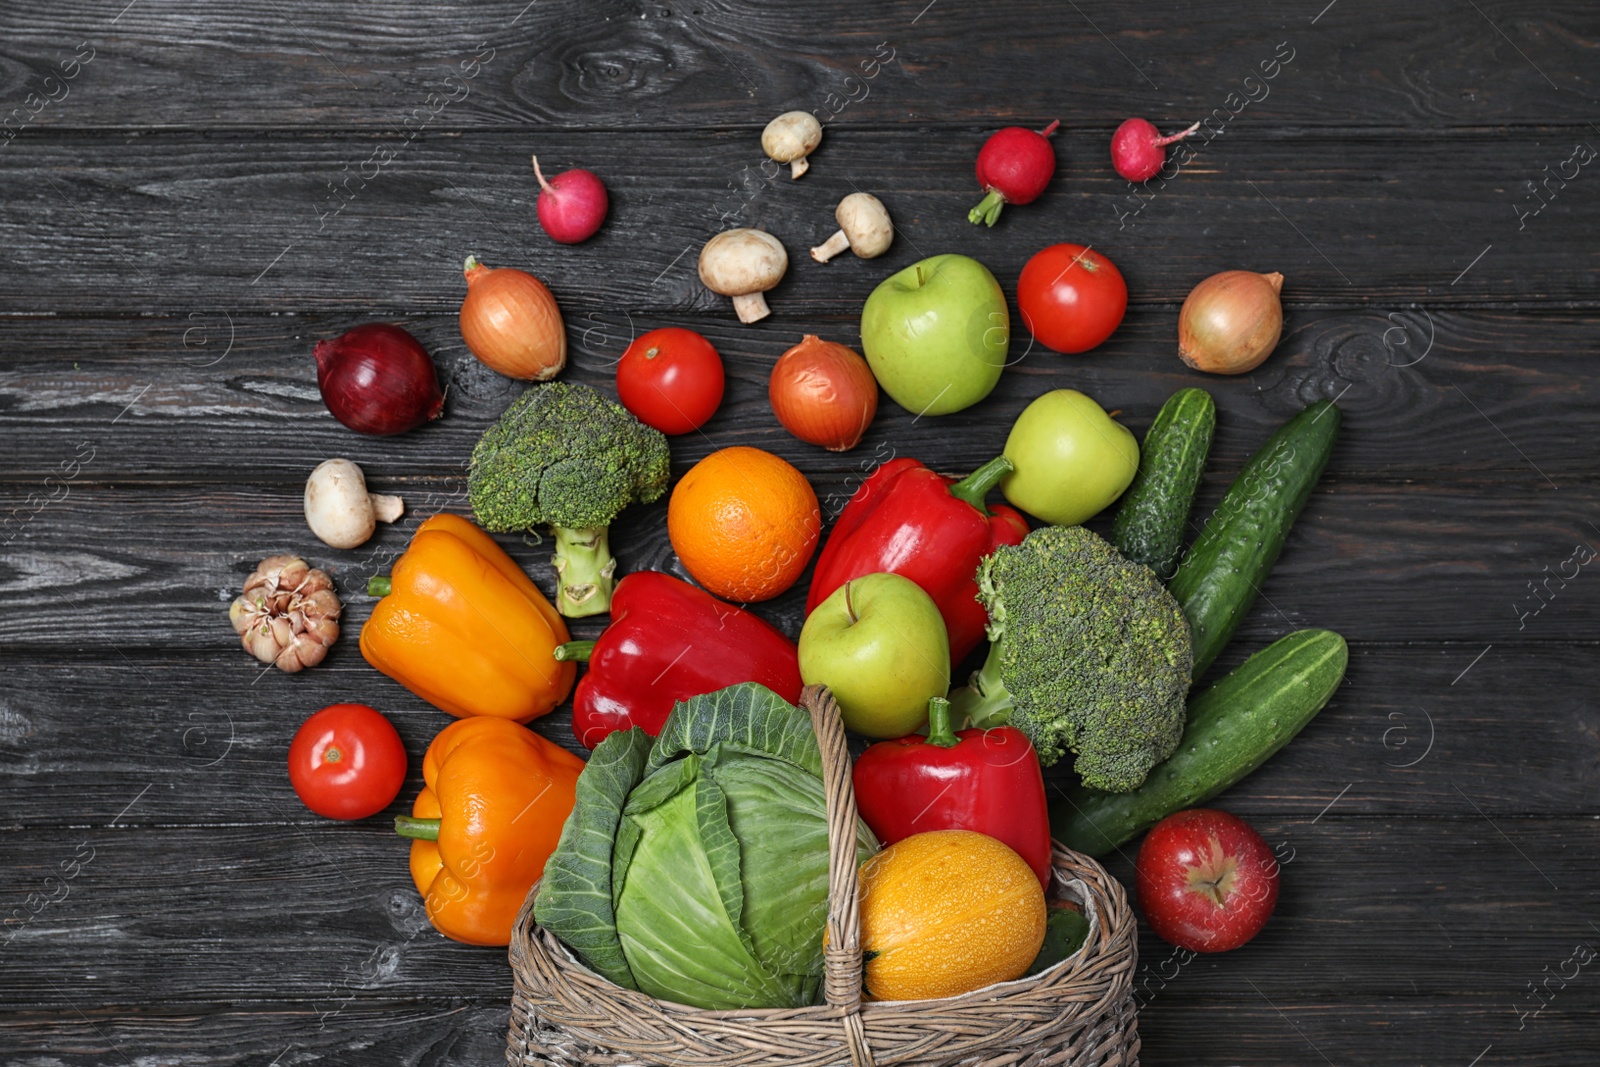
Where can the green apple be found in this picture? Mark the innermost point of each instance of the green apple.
(936, 334)
(879, 643)
(1069, 459)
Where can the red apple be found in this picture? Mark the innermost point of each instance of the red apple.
(1207, 881)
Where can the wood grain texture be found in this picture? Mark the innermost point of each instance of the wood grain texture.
(1425, 395)
(439, 1032)
(213, 187)
(1398, 737)
(1266, 1029)
(625, 64)
(70, 579)
(152, 223)
(1351, 888)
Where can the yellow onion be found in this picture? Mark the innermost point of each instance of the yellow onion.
(511, 322)
(823, 393)
(1231, 322)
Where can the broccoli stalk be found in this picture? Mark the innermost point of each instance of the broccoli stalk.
(585, 570)
(1090, 654)
(565, 457)
(984, 701)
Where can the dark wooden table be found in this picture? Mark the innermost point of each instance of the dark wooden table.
(193, 193)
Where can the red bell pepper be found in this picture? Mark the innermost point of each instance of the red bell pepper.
(669, 641)
(983, 780)
(907, 520)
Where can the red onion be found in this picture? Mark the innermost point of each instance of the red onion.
(378, 379)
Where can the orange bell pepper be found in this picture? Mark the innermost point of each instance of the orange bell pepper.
(490, 814)
(464, 628)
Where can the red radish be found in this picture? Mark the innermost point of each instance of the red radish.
(572, 205)
(1014, 166)
(1138, 150)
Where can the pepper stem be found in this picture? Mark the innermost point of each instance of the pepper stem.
(578, 651)
(415, 828)
(988, 209)
(939, 726)
(379, 585)
(975, 486)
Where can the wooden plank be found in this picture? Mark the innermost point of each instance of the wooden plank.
(1399, 737)
(209, 396)
(1498, 561)
(1271, 1030)
(179, 244)
(441, 1031)
(1178, 1031)
(183, 223)
(252, 915)
(627, 66)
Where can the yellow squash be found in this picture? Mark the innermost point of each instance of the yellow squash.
(947, 912)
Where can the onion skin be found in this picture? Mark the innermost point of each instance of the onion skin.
(378, 379)
(1231, 322)
(823, 393)
(512, 324)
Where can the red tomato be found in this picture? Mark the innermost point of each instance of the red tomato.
(1071, 298)
(347, 762)
(670, 379)
(1207, 881)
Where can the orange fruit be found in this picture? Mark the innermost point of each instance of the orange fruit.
(744, 523)
(947, 912)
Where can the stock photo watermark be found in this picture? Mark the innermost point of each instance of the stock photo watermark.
(62, 75)
(1255, 89)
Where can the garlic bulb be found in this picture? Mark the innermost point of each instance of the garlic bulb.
(288, 614)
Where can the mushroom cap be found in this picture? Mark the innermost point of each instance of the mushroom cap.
(742, 261)
(791, 135)
(338, 507)
(865, 220)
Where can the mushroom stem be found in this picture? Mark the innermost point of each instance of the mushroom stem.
(751, 307)
(831, 247)
(798, 166)
(386, 508)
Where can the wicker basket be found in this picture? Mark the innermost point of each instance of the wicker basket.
(1079, 1013)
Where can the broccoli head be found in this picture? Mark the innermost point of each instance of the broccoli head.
(1090, 655)
(566, 457)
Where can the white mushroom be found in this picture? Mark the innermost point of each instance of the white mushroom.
(743, 264)
(790, 138)
(339, 509)
(864, 228)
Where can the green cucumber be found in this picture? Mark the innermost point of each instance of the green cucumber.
(1154, 516)
(1232, 728)
(1219, 578)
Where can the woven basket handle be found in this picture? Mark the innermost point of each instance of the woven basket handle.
(842, 957)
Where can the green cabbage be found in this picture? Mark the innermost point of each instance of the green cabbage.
(695, 868)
